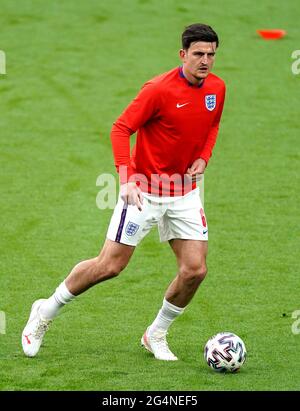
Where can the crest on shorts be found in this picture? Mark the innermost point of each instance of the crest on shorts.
(210, 101)
(131, 228)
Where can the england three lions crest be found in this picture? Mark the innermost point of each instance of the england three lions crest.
(131, 228)
(210, 101)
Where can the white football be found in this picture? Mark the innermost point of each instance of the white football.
(225, 352)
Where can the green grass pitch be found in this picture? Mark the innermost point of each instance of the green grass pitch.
(71, 68)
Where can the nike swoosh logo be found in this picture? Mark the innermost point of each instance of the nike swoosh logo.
(28, 340)
(181, 105)
(205, 231)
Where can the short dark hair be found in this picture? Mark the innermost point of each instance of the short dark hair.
(198, 32)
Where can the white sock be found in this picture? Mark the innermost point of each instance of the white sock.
(166, 315)
(50, 308)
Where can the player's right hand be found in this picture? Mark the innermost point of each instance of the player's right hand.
(132, 194)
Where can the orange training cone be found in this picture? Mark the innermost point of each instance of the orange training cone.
(271, 34)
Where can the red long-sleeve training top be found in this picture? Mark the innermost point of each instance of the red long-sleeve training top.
(176, 123)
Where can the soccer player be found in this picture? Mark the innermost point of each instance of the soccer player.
(176, 116)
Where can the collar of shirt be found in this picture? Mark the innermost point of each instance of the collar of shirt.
(180, 70)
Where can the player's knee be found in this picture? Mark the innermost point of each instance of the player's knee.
(108, 269)
(113, 270)
(193, 273)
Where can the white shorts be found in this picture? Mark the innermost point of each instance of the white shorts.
(177, 217)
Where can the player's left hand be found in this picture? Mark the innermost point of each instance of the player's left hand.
(196, 168)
